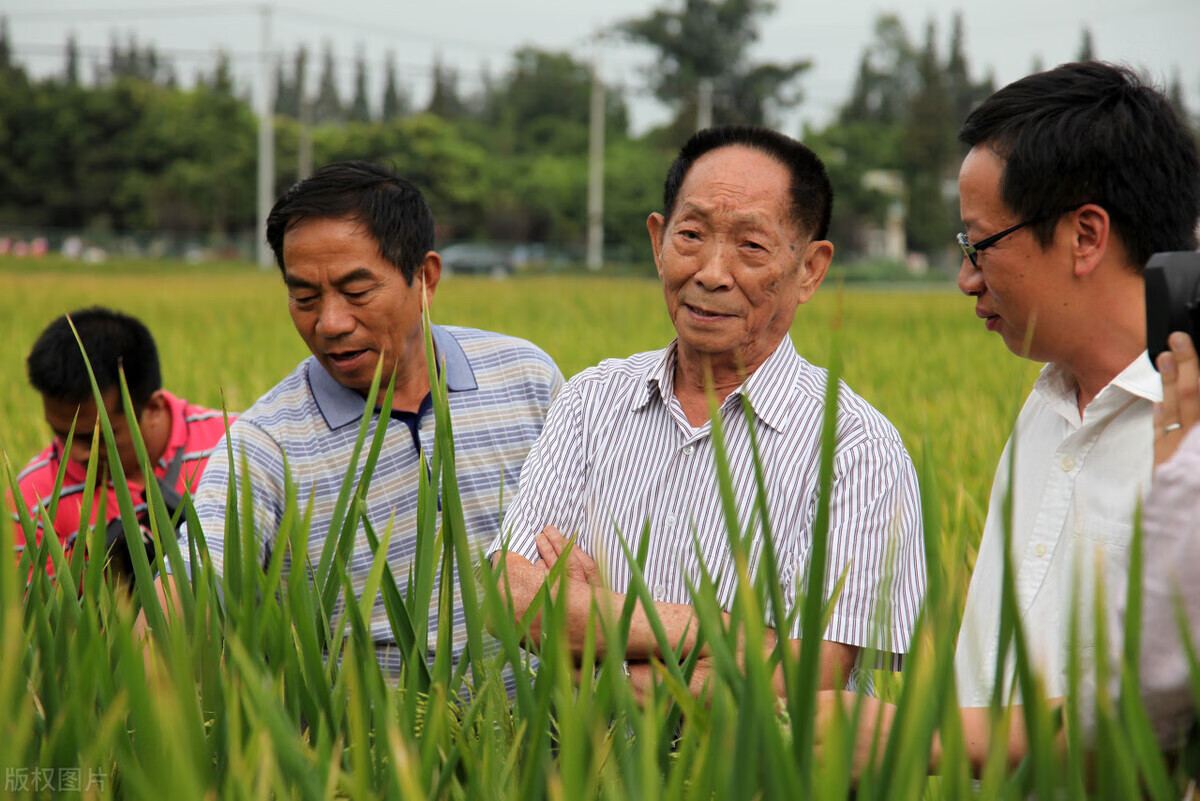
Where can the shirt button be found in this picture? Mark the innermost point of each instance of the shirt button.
(1040, 550)
(670, 520)
(1068, 464)
(660, 592)
(688, 450)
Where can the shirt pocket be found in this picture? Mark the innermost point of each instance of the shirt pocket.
(1101, 554)
(1112, 535)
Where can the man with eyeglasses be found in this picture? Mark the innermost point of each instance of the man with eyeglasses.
(1074, 178)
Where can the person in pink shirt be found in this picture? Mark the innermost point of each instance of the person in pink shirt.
(1171, 561)
(179, 436)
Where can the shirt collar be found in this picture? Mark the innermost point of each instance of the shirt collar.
(767, 387)
(770, 387)
(1139, 379)
(659, 379)
(179, 428)
(340, 405)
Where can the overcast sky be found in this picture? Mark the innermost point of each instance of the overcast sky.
(1161, 37)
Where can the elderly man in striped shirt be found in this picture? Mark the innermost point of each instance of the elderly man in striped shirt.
(628, 448)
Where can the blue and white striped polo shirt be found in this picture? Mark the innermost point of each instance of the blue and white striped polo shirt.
(500, 388)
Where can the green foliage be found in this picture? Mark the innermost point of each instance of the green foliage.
(542, 106)
(263, 681)
(902, 116)
(130, 154)
(710, 40)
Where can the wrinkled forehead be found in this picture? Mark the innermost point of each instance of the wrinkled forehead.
(739, 181)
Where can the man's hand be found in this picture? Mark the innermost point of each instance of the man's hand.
(551, 545)
(1180, 409)
(643, 677)
(586, 595)
(871, 736)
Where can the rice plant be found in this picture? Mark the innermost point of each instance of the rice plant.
(262, 682)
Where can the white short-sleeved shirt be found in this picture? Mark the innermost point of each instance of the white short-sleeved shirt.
(1075, 488)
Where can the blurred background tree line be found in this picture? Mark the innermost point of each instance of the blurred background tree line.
(134, 150)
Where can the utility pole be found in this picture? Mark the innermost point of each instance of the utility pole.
(266, 140)
(595, 236)
(704, 104)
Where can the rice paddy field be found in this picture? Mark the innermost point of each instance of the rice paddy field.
(224, 336)
(238, 696)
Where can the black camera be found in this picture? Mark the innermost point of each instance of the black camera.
(1172, 299)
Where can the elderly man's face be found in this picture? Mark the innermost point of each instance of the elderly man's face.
(733, 262)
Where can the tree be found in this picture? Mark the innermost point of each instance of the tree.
(327, 107)
(6, 61)
(71, 69)
(1175, 96)
(887, 76)
(222, 77)
(289, 94)
(395, 99)
(444, 100)
(929, 152)
(1087, 52)
(132, 61)
(543, 103)
(709, 40)
(958, 81)
(901, 121)
(360, 107)
(284, 101)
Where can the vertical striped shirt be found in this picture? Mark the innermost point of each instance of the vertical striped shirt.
(499, 390)
(618, 455)
(195, 429)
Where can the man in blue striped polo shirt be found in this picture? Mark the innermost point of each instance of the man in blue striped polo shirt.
(628, 446)
(355, 245)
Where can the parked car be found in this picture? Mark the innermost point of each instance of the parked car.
(476, 257)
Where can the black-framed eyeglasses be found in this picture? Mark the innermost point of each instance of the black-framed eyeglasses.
(972, 251)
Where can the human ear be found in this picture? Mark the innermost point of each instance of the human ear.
(429, 274)
(818, 255)
(656, 225)
(1090, 231)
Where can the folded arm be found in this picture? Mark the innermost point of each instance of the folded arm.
(581, 590)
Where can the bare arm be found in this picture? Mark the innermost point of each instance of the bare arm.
(525, 580)
(581, 589)
(875, 727)
(167, 590)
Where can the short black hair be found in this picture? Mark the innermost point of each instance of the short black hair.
(1091, 132)
(392, 210)
(112, 341)
(812, 193)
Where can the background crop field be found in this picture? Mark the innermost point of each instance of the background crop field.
(921, 357)
(256, 686)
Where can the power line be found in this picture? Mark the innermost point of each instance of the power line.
(289, 11)
(137, 13)
(384, 30)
